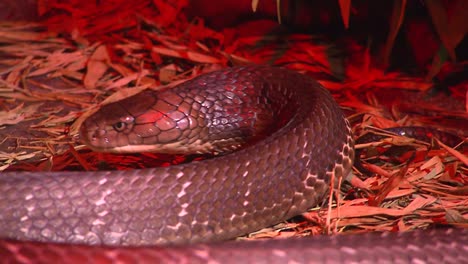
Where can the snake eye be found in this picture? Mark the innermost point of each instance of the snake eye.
(119, 126)
(125, 123)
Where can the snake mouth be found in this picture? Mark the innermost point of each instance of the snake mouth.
(197, 147)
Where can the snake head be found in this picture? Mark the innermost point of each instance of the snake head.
(146, 122)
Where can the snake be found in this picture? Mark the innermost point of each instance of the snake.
(280, 144)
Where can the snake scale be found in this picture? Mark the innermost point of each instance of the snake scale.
(300, 143)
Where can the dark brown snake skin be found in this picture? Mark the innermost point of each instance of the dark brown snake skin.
(272, 180)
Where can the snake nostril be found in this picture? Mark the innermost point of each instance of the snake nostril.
(97, 134)
(101, 132)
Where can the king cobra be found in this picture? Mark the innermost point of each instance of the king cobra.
(285, 142)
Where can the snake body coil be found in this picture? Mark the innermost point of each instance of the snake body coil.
(274, 179)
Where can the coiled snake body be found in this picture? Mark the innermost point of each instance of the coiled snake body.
(261, 184)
